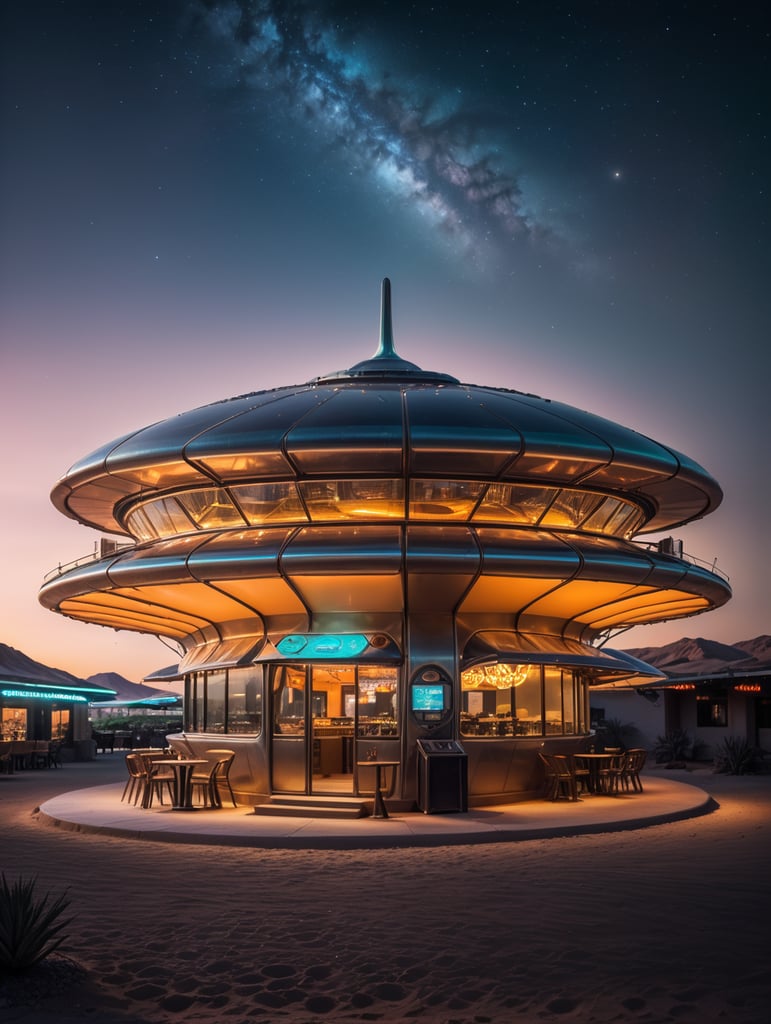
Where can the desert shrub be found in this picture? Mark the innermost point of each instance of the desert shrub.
(674, 746)
(30, 925)
(735, 756)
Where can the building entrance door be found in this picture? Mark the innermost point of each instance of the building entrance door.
(312, 729)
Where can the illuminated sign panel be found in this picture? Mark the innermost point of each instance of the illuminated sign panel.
(43, 695)
(323, 646)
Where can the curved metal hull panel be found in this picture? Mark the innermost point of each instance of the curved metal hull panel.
(386, 428)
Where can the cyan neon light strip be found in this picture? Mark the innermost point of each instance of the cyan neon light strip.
(91, 690)
(43, 695)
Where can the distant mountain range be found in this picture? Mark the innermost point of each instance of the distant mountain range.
(125, 689)
(17, 667)
(697, 657)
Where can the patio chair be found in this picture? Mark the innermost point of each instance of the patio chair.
(635, 762)
(225, 760)
(204, 781)
(135, 784)
(560, 780)
(581, 774)
(611, 774)
(158, 777)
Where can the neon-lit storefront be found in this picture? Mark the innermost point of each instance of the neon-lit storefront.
(381, 556)
(38, 703)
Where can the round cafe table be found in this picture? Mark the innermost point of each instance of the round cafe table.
(596, 763)
(182, 791)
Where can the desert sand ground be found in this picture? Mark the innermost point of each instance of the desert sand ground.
(666, 923)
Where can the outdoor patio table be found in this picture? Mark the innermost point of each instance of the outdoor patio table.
(182, 790)
(595, 763)
(379, 809)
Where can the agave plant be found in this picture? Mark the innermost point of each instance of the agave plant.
(30, 925)
(674, 746)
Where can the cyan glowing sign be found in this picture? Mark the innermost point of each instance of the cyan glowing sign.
(322, 646)
(42, 695)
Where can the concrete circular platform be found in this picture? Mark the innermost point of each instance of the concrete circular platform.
(99, 809)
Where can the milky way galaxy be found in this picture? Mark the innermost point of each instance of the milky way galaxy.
(412, 146)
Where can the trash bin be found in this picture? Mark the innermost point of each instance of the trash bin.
(442, 777)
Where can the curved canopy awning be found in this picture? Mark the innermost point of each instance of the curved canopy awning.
(229, 653)
(508, 646)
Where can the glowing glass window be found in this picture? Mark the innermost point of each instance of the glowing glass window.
(570, 508)
(377, 698)
(599, 521)
(139, 525)
(443, 499)
(245, 699)
(516, 503)
(216, 691)
(623, 522)
(501, 700)
(273, 502)
(354, 499)
(166, 517)
(554, 714)
(289, 700)
(210, 508)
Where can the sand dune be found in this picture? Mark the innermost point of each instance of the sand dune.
(667, 923)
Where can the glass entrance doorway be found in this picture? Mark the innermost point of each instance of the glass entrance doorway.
(312, 721)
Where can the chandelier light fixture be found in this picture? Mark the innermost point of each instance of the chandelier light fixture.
(497, 677)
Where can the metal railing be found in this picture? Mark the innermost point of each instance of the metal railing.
(683, 556)
(96, 555)
(105, 550)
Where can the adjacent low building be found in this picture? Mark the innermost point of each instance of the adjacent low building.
(383, 557)
(709, 692)
(40, 703)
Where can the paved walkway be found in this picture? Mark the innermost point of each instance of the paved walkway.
(99, 809)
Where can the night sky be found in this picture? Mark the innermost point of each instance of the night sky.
(200, 200)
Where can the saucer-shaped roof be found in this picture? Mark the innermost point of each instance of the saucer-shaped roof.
(382, 418)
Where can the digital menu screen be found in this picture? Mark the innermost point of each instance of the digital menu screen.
(427, 698)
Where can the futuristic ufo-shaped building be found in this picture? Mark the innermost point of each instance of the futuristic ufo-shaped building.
(383, 556)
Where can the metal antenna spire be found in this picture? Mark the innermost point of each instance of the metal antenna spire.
(386, 346)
